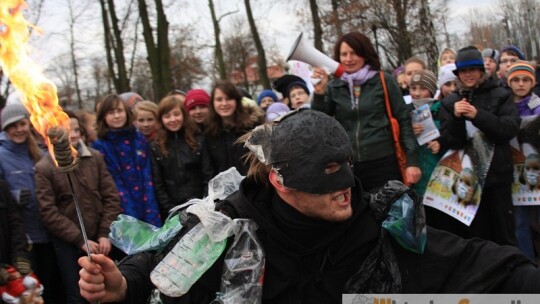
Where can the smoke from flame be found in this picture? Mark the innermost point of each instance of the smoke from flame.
(38, 93)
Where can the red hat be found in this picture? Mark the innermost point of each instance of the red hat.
(196, 97)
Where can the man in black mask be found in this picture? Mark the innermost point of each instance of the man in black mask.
(322, 236)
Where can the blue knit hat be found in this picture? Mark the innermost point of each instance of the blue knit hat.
(469, 57)
(267, 93)
(514, 49)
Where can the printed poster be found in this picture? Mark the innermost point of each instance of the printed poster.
(525, 148)
(456, 184)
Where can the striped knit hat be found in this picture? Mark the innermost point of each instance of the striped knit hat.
(521, 68)
(425, 78)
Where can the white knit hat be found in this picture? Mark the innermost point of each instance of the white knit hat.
(12, 113)
(446, 74)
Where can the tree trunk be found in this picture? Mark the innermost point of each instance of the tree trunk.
(404, 46)
(158, 54)
(336, 18)
(72, 20)
(123, 81)
(261, 58)
(426, 24)
(317, 28)
(219, 52)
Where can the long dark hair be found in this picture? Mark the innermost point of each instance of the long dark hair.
(241, 118)
(106, 104)
(189, 127)
(362, 47)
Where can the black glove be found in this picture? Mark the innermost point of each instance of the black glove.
(24, 197)
(4, 275)
(23, 266)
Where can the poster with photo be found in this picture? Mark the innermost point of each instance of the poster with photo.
(526, 158)
(456, 184)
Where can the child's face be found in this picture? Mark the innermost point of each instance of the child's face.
(116, 117)
(470, 77)
(410, 69)
(173, 119)
(145, 122)
(490, 65)
(448, 88)
(298, 97)
(521, 85)
(419, 92)
(266, 102)
(402, 81)
(506, 61)
(447, 58)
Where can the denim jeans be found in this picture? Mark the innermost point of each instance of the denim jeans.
(67, 256)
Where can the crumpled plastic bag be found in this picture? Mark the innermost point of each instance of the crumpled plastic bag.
(200, 247)
(133, 236)
(406, 223)
(243, 269)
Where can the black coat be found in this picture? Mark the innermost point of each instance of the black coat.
(183, 174)
(225, 152)
(309, 261)
(497, 118)
(12, 237)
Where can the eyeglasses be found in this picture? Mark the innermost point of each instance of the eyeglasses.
(510, 60)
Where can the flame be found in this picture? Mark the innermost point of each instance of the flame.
(38, 94)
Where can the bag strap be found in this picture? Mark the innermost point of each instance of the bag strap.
(386, 98)
(388, 108)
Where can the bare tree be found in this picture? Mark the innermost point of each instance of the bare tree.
(217, 33)
(186, 63)
(158, 51)
(73, 17)
(430, 37)
(317, 28)
(261, 58)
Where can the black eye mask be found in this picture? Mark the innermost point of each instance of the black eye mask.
(300, 146)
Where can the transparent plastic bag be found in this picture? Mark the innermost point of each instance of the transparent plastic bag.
(197, 251)
(406, 223)
(132, 235)
(243, 269)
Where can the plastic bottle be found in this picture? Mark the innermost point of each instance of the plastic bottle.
(189, 259)
(243, 270)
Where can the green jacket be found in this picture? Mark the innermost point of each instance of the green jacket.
(368, 125)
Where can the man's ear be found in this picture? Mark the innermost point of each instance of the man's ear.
(277, 181)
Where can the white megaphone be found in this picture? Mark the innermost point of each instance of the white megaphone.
(303, 51)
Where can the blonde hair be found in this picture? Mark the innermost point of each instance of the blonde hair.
(147, 106)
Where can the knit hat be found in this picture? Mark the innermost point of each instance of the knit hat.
(275, 110)
(491, 53)
(286, 82)
(196, 97)
(469, 57)
(521, 68)
(514, 49)
(130, 99)
(267, 93)
(425, 79)
(12, 113)
(446, 74)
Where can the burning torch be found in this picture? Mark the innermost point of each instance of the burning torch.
(38, 94)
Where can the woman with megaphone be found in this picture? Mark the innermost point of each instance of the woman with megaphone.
(369, 105)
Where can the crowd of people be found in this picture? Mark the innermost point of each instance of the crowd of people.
(309, 192)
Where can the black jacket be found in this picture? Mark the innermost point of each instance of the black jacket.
(225, 152)
(497, 118)
(183, 174)
(310, 261)
(12, 237)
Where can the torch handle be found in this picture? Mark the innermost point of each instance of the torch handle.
(79, 215)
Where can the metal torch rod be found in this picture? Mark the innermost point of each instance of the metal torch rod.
(79, 215)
